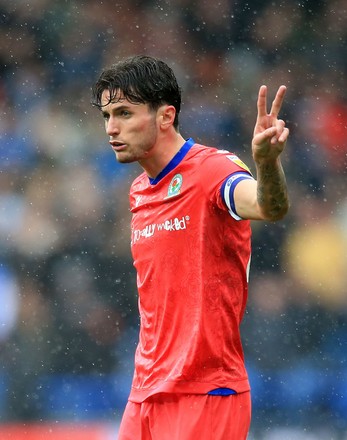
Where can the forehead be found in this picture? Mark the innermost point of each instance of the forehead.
(106, 97)
(119, 101)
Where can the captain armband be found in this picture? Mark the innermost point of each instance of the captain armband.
(228, 188)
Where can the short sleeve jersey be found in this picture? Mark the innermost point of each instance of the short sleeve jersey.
(192, 260)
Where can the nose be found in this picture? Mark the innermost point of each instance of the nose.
(112, 127)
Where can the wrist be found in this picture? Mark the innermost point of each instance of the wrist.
(268, 161)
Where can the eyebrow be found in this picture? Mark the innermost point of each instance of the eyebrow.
(116, 109)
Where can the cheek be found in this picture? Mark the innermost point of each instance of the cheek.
(146, 127)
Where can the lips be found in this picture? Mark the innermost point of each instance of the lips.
(117, 145)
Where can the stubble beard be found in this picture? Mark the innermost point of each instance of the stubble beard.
(139, 152)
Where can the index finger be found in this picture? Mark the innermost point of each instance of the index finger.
(261, 103)
(278, 101)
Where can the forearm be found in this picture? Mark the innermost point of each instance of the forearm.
(272, 195)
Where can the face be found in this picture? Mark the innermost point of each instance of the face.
(131, 127)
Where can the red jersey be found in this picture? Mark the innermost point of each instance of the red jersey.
(192, 259)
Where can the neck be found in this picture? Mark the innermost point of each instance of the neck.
(161, 154)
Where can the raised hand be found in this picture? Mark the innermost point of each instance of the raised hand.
(270, 133)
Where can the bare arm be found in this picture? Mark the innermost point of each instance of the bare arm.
(266, 198)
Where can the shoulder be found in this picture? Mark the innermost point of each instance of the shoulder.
(218, 160)
(139, 184)
(139, 181)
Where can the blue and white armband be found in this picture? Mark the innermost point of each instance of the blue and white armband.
(228, 188)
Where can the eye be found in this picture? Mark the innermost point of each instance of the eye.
(106, 116)
(125, 113)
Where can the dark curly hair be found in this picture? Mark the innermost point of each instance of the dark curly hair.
(141, 80)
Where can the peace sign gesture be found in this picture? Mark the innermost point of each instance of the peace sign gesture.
(270, 134)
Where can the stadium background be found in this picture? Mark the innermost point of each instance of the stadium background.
(68, 315)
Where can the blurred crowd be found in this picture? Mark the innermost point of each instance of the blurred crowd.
(68, 314)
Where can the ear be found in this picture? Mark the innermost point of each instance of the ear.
(166, 116)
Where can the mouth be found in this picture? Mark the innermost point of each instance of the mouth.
(117, 145)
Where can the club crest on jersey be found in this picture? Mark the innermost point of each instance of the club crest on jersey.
(238, 162)
(175, 186)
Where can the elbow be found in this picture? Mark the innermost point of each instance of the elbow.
(278, 213)
(278, 217)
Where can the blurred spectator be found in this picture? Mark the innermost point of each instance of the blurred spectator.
(10, 301)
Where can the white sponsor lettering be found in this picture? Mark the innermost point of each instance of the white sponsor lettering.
(175, 224)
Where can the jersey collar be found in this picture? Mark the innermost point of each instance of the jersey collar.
(178, 157)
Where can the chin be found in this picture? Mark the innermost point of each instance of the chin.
(123, 158)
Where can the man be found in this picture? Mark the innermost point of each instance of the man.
(190, 242)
